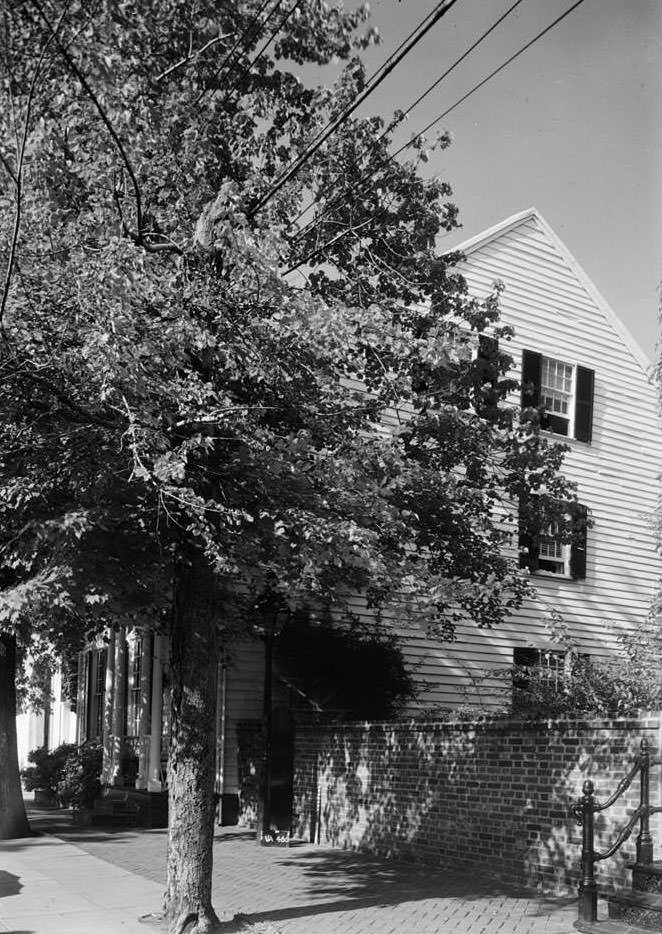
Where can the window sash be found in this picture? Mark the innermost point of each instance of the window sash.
(557, 390)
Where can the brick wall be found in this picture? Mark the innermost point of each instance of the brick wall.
(493, 795)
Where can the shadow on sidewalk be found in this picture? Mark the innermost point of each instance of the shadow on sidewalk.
(9, 884)
(319, 882)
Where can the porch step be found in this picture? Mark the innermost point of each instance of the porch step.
(115, 810)
(640, 909)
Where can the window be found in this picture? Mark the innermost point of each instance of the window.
(538, 675)
(134, 687)
(548, 665)
(96, 693)
(563, 390)
(473, 378)
(547, 549)
(553, 554)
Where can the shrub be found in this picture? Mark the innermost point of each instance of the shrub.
(47, 768)
(588, 688)
(81, 779)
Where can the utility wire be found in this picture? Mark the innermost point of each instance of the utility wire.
(273, 35)
(429, 126)
(491, 75)
(406, 113)
(440, 11)
(248, 32)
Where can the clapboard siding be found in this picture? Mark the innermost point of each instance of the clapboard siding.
(554, 310)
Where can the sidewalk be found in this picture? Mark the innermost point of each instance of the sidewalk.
(48, 886)
(99, 882)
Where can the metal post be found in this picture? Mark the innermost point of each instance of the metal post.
(644, 840)
(588, 891)
(267, 715)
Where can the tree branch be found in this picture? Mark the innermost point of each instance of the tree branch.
(67, 401)
(138, 236)
(18, 181)
(8, 168)
(191, 55)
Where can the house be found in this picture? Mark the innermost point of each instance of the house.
(581, 363)
(577, 360)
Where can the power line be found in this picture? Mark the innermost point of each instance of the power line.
(391, 158)
(491, 75)
(440, 11)
(418, 100)
(273, 35)
(248, 32)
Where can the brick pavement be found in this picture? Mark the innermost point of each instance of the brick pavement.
(309, 888)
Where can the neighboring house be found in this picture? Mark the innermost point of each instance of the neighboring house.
(576, 359)
(52, 727)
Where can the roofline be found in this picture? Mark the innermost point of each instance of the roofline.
(481, 239)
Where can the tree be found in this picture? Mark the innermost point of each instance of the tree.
(188, 424)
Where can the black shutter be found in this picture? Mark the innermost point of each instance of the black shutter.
(524, 659)
(578, 546)
(528, 544)
(486, 393)
(584, 404)
(488, 353)
(531, 375)
(526, 656)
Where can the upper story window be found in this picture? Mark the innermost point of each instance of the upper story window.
(553, 555)
(545, 549)
(563, 389)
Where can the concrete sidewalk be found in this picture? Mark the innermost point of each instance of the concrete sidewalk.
(99, 882)
(48, 886)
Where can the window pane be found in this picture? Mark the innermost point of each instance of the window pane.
(556, 386)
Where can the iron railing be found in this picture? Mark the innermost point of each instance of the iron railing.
(585, 810)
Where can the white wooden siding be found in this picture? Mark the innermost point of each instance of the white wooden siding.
(554, 312)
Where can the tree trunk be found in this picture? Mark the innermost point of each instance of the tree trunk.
(191, 764)
(13, 820)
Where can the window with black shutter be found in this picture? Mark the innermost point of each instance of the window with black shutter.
(546, 550)
(563, 390)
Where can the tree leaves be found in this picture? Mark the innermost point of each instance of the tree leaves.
(163, 378)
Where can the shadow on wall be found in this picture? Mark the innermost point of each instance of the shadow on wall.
(492, 795)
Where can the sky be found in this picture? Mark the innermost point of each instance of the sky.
(573, 127)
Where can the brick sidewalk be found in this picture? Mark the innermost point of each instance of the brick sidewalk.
(307, 888)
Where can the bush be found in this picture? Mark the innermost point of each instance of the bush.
(589, 688)
(80, 783)
(47, 768)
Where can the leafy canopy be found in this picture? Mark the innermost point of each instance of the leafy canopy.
(166, 383)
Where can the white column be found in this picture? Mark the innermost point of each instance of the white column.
(81, 698)
(117, 721)
(154, 758)
(143, 726)
(108, 700)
